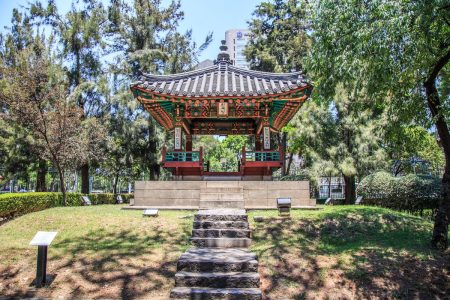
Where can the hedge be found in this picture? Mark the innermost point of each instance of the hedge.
(412, 193)
(17, 204)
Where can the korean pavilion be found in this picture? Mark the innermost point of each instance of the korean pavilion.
(222, 100)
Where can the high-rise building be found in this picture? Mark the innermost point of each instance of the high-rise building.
(236, 39)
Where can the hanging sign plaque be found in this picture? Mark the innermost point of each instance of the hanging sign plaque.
(222, 109)
(177, 145)
(266, 138)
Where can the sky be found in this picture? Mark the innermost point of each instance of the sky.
(202, 16)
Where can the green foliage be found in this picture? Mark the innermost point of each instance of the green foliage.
(279, 40)
(410, 193)
(341, 137)
(17, 204)
(403, 143)
(222, 153)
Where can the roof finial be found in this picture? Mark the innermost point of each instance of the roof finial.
(224, 56)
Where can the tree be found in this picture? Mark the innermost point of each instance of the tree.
(279, 40)
(37, 99)
(339, 137)
(405, 144)
(395, 50)
(279, 43)
(21, 154)
(79, 33)
(144, 39)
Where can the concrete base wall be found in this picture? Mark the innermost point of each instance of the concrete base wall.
(186, 194)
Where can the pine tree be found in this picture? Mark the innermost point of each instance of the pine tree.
(80, 36)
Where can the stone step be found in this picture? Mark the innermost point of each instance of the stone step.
(217, 260)
(218, 233)
(221, 215)
(221, 196)
(223, 184)
(197, 293)
(217, 279)
(221, 242)
(221, 204)
(220, 224)
(222, 190)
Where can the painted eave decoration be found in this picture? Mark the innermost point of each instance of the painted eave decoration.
(269, 98)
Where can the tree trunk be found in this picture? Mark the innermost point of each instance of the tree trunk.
(40, 177)
(61, 183)
(440, 230)
(291, 157)
(85, 178)
(116, 180)
(350, 189)
(283, 148)
(152, 147)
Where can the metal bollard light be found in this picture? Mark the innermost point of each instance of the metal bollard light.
(42, 239)
(284, 206)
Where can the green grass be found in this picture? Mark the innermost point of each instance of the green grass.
(359, 245)
(345, 251)
(96, 246)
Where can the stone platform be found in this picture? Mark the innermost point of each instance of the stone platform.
(220, 267)
(220, 194)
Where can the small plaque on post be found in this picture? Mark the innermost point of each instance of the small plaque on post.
(151, 212)
(42, 239)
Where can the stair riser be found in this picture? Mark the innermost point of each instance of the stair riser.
(216, 295)
(224, 196)
(219, 233)
(190, 266)
(213, 218)
(221, 243)
(221, 204)
(222, 190)
(221, 225)
(217, 282)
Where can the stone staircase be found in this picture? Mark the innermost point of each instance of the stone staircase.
(219, 267)
(222, 195)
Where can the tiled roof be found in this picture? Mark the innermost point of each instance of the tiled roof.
(222, 79)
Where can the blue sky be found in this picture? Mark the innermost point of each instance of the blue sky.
(202, 16)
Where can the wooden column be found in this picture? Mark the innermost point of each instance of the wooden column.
(257, 142)
(188, 142)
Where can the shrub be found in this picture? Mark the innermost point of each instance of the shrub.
(14, 205)
(17, 204)
(412, 193)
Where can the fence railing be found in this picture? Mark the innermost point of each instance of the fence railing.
(183, 156)
(262, 156)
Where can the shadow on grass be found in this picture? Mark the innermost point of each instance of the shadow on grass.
(114, 264)
(301, 256)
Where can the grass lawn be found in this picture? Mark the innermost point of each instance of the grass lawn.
(338, 252)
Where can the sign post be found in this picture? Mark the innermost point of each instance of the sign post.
(42, 239)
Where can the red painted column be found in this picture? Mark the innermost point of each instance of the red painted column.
(188, 143)
(257, 142)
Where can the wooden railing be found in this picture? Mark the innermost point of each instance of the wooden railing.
(262, 156)
(182, 156)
